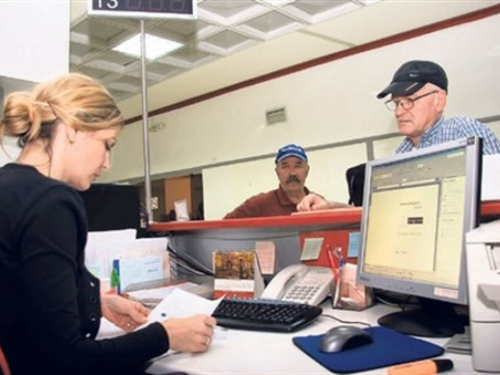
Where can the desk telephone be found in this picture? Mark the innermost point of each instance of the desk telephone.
(300, 283)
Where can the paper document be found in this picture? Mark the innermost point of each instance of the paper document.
(158, 294)
(182, 304)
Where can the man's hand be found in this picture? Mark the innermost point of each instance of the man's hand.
(313, 202)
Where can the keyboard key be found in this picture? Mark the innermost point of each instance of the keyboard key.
(265, 315)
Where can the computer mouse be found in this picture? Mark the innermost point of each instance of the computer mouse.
(342, 338)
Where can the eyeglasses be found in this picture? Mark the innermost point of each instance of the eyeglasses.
(406, 103)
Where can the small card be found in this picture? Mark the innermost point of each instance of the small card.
(266, 253)
(234, 273)
(354, 245)
(312, 248)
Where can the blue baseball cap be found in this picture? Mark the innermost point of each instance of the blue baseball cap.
(290, 150)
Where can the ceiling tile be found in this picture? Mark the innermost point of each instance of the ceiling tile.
(230, 27)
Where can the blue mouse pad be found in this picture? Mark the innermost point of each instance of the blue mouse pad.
(388, 348)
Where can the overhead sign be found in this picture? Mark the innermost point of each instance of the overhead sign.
(143, 8)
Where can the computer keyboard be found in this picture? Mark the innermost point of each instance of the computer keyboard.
(265, 315)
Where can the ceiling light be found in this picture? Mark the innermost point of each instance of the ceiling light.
(155, 46)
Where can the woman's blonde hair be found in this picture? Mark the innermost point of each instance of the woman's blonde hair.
(73, 98)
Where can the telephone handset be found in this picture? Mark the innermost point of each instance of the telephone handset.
(300, 283)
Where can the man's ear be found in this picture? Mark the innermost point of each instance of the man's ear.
(442, 99)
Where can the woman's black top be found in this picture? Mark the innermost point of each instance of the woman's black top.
(51, 308)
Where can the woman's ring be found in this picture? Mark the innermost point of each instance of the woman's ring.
(207, 341)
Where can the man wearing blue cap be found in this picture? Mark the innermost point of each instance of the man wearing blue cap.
(292, 169)
(418, 97)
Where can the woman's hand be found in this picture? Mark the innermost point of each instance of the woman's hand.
(124, 313)
(193, 334)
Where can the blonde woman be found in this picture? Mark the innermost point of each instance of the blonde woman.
(51, 303)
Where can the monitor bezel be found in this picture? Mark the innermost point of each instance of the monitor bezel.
(473, 149)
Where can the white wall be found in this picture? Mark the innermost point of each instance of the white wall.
(9, 150)
(34, 39)
(35, 46)
(332, 112)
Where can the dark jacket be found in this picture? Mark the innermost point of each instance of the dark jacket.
(51, 309)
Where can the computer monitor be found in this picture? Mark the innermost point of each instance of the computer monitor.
(417, 208)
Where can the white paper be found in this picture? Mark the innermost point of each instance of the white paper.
(177, 304)
(490, 189)
(182, 304)
(181, 210)
(112, 235)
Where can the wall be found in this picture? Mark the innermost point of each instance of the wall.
(332, 112)
(35, 38)
(35, 44)
(9, 150)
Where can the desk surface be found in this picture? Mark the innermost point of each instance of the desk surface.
(248, 352)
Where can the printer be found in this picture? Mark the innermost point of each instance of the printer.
(483, 272)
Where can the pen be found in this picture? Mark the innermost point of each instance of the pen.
(428, 367)
(329, 253)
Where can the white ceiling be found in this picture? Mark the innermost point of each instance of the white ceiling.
(293, 30)
(236, 40)
(222, 28)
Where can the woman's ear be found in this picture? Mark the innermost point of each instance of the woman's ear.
(71, 134)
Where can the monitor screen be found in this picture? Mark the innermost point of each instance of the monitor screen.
(417, 208)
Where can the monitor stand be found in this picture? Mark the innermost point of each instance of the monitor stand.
(432, 319)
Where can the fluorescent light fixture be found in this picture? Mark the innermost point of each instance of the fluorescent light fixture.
(155, 46)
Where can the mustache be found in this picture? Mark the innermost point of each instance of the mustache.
(292, 179)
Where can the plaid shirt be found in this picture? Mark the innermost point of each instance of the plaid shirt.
(445, 130)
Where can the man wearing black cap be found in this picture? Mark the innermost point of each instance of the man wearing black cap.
(418, 97)
(292, 169)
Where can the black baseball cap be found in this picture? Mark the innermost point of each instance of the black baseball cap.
(412, 76)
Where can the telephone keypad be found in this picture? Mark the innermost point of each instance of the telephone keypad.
(302, 293)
